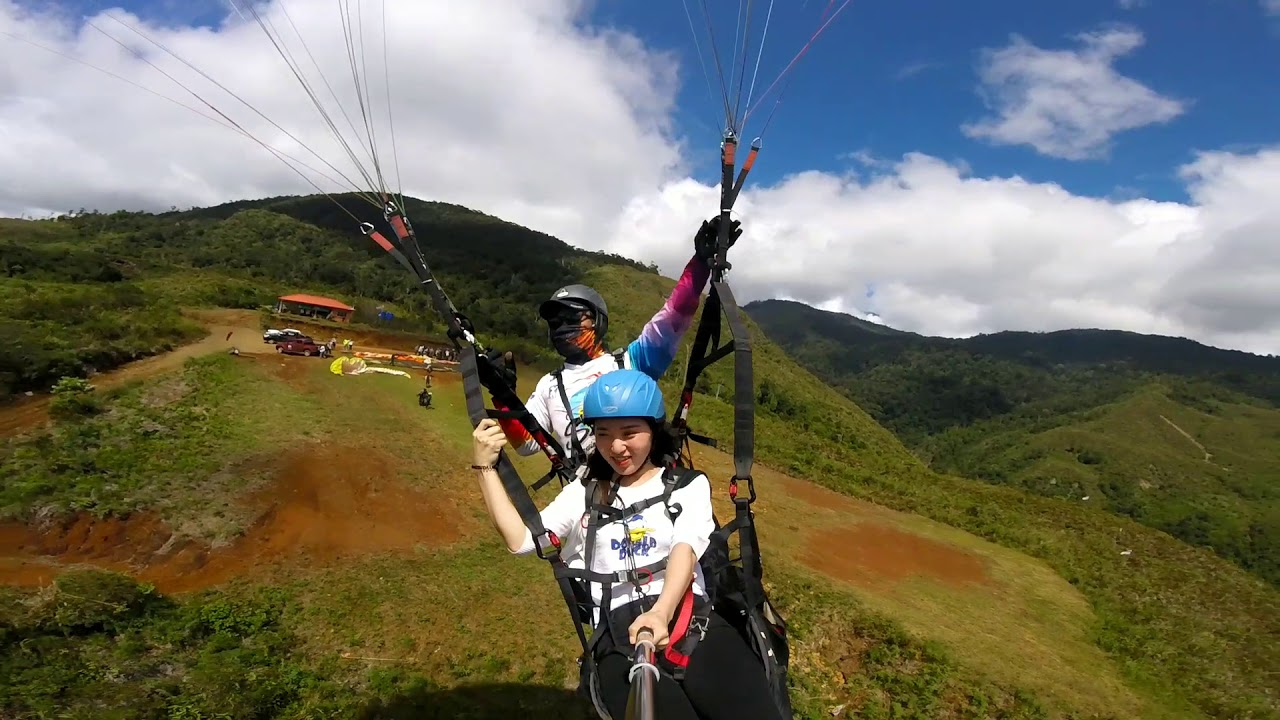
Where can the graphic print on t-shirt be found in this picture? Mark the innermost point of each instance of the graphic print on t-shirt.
(576, 427)
(639, 540)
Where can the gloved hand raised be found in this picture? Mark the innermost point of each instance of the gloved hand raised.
(704, 243)
(464, 323)
(504, 365)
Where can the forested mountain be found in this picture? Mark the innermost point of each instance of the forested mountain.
(1178, 435)
(71, 278)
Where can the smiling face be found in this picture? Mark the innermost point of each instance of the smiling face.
(624, 442)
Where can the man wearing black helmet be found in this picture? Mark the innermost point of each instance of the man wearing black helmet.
(577, 319)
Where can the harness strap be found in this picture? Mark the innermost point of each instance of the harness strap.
(684, 616)
(579, 455)
(633, 576)
(546, 544)
(599, 515)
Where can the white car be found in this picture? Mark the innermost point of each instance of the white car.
(274, 336)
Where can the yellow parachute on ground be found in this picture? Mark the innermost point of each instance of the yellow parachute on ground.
(357, 366)
(348, 366)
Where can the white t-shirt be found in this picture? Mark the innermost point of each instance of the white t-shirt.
(650, 539)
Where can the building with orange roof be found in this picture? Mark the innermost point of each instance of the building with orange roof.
(314, 306)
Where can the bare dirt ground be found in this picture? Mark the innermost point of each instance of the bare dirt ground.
(868, 550)
(869, 553)
(850, 540)
(323, 504)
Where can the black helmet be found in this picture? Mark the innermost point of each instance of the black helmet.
(579, 297)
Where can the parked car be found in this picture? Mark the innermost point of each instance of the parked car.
(273, 335)
(298, 346)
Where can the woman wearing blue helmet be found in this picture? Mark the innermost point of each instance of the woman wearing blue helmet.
(643, 526)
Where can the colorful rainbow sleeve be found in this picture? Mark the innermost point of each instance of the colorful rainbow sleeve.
(653, 352)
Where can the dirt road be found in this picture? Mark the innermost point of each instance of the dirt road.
(226, 329)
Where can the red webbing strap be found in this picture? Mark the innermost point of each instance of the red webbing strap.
(683, 617)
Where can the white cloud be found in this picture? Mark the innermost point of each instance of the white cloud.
(915, 68)
(1067, 103)
(515, 108)
(1271, 7)
(1131, 4)
(565, 128)
(952, 254)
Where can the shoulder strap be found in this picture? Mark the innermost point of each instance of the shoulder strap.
(578, 455)
(682, 476)
(620, 357)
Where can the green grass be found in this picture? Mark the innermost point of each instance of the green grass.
(461, 628)
(1169, 629)
(170, 446)
(55, 329)
(97, 645)
(1206, 474)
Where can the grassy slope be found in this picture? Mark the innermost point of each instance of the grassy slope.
(433, 617)
(1209, 472)
(1007, 407)
(1172, 615)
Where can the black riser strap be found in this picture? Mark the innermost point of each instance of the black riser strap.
(744, 410)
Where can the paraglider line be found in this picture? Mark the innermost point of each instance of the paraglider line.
(799, 55)
(715, 54)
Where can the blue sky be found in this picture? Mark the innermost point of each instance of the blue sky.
(1109, 99)
(888, 78)
(896, 77)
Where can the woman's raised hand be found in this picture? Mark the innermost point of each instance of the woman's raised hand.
(486, 442)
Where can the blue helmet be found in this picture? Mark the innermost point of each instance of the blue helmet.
(623, 393)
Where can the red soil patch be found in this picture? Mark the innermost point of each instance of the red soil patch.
(26, 414)
(861, 548)
(870, 553)
(821, 497)
(323, 504)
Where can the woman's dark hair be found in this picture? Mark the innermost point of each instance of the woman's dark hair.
(664, 451)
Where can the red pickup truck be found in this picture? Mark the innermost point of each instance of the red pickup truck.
(298, 346)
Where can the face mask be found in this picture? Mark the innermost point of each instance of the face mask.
(574, 343)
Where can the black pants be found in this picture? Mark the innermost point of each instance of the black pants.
(724, 680)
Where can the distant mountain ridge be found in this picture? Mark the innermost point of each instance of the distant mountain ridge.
(790, 323)
(1175, 434)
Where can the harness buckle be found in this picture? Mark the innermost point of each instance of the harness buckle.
(553, 542)
(751, 489)
(699, 623)
(634, 576)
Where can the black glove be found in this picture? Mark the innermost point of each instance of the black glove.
(704, 243)
(465, 323)
(504, 366)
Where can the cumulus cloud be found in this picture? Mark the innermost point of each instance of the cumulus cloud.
(951, 254)
(516, 108)
(1131, 4)
(1066, 103)
(1271, 7)
(524, 111)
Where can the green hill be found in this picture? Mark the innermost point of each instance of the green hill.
(1162, 430)
(1166, 630)
(132, 270)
